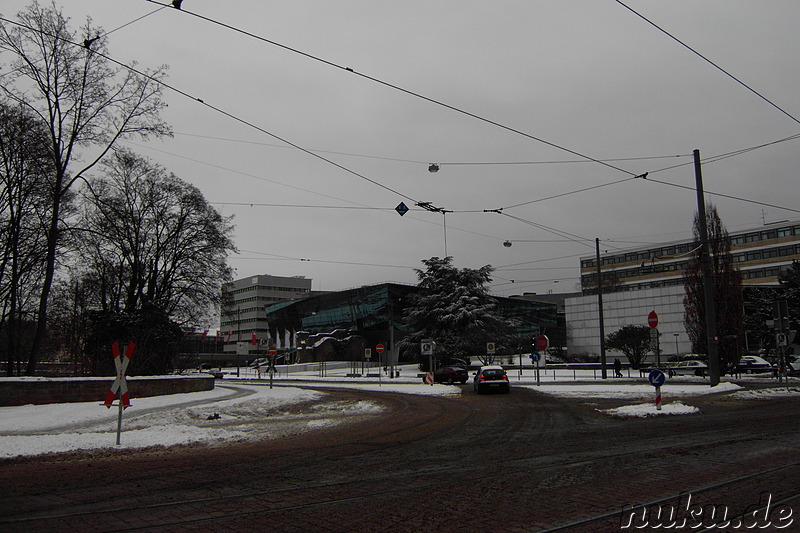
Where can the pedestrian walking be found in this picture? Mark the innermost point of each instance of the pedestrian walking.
(617, 368)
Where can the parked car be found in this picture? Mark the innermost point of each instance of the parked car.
(692, 367)
(491, 378)
(450, 374)
(750, 364)
(218, 374)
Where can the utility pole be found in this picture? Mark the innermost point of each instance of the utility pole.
(708, 287)
(604, 372)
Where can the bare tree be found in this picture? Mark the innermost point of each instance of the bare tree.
(150, 238)
(24, 171)
(85, 102)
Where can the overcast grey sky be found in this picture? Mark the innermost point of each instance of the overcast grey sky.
(555, 78)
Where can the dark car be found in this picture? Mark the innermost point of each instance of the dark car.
(450, 374)
(491, 378)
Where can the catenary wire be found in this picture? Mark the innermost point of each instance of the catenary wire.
(225, 113)
(403, 90)
(243, 121)
(707, 60)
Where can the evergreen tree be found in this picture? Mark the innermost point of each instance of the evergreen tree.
(454, 309)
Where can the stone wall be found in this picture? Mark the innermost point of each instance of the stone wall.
(36, 390)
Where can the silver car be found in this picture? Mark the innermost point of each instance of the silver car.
(692, 367)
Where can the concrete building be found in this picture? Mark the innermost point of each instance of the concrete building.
(243, 322)
(651, 279)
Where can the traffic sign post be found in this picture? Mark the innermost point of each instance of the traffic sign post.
(535, 358)
(541, 344)
(379, 348)
(652, 321)
(272, 351)
(656, 379)
(426, 347)
(120, 384)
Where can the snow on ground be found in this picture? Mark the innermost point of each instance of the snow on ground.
(248, 409)
(645, 410)
(610, 389)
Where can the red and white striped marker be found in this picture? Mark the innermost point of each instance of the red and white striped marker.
(121, 364)
(429, 378)
(658, 398)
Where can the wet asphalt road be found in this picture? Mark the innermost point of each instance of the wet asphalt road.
(518, 462)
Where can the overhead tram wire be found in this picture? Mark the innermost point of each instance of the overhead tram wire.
(442, 104)
(261, 178)
(707, 60)
(648, 177)
(403, 90)
(427, 162)
(227, 114)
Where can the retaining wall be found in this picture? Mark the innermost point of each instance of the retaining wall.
(36, 390)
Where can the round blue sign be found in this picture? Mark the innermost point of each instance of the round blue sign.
(656, 378)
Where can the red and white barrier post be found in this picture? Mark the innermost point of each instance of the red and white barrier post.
(120, 385)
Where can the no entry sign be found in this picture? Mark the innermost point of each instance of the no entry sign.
(542, 343)
(652, 319)
(379, 348)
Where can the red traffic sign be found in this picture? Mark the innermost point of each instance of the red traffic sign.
(652, 319)
(542, 343)
(121, 364)
(272, 350)
(379, 348)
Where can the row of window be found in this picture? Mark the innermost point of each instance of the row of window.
(666, 251)
(755, 273)
(765, 235)
(767, 253)
(679, 266)
(265, 288)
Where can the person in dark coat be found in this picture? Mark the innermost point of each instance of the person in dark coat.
(617, 368)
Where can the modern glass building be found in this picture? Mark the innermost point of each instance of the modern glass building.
(375, 313)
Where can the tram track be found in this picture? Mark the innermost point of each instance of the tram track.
(436, 477)
(432, 426)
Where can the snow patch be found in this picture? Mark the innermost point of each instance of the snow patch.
(646, 410)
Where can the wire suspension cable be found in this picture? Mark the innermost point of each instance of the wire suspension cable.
(403, 90)
(707, 60)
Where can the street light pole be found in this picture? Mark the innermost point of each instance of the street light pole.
(600, 312)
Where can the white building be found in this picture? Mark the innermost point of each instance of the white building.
(651, 279)
(623, 309)
(242, 317)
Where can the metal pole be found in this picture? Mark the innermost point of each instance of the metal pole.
(119, 419)
(600, 311)
(444, 224)
(708, 287)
